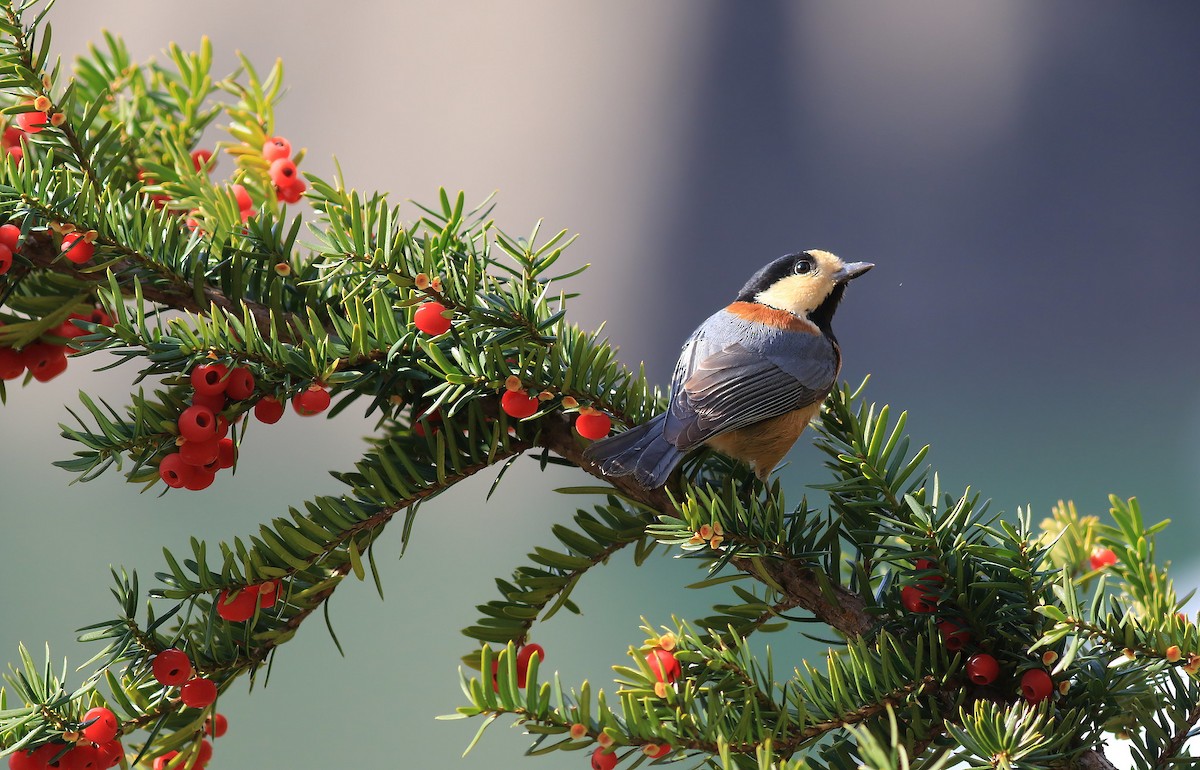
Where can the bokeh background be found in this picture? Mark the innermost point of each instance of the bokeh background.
(1025, 175)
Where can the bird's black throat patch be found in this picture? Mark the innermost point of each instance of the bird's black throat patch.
(823, 315)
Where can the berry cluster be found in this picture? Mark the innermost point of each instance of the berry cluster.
(75, 247)
(982, 668)
(604, 758)
(215, 725)
(95, 744)
(282, 170)
(660, 659)
(47, 358)
(433, 319)
(239, 606)
(173, 668)
(521, 404)
(204, 445)
(25, 123)
(95, 747)
(289, 187)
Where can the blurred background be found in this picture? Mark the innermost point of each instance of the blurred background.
(1025, 175)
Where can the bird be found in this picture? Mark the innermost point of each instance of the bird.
(749, 379)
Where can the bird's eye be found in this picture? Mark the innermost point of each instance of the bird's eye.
(803, 265)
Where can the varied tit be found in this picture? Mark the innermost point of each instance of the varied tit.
(749, 379)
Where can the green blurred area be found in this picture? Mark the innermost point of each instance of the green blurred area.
(1033, 306)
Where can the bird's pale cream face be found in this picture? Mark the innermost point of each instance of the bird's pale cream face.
(802, 293)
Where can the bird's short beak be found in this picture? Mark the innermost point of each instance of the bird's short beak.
(852, 270)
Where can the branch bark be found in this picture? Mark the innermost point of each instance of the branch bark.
(39, 249)
(837, 607)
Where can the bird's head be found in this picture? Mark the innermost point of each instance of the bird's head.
(803, 283)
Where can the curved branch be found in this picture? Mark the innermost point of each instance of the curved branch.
(836, 606)
(39, 249)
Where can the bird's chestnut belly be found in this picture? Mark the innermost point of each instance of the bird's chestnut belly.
(764, 444)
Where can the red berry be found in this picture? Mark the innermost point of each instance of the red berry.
(100, 318)
(209, 379)
(593, 425)
(76, 249)
(200, 452)
(198, 423)
(917, 600)
(52, 369)
(174, 471)
(22, 760)
(954, 637)
(9, 235)
(213, 401)
(275, 148)
(12, 135)
(12, 365)
(431, 419)
(982, 668)
(44, 361)
(523, 656)
(216, 725)
(226, 453)
(312, 401)
(104, 727)
(268, 410)
(110, 753)
(602, 761)
(201, 478)
(518, 404)
(32, 122)
(66, 329)
(81, 757)
(268, 592)
(203, 753)
(198, 693)
(240, 384)
(171, 667)
(160, 763)
(656, 751)
(663, 665)
(37, 759)
(291, 192)
(16, 152)
(430, 318)
(282, 172)
(244, 201)
(240, 608)
(1036, 685)
(6, 258)
(1102, 557)
(201, 159)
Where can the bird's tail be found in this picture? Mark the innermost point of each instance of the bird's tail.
(641, 452)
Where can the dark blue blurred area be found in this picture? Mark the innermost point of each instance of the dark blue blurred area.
(1026, 177)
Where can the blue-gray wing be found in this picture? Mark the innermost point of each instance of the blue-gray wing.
(738, 374)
